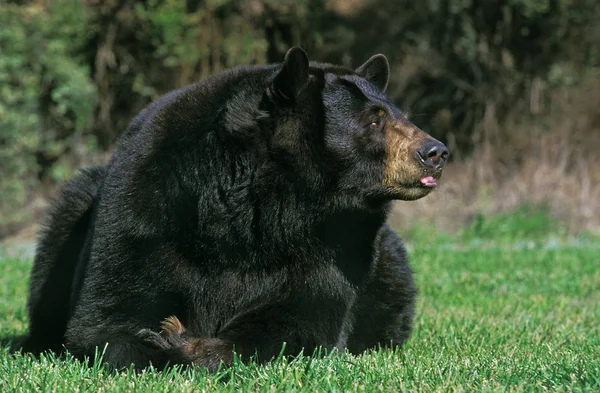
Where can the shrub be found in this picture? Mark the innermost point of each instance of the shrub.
(46, 98)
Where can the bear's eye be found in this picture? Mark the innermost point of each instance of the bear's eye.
(377, 123)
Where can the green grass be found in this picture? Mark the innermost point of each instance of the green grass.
(518, 315)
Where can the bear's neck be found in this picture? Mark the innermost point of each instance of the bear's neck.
(296, 227)
(351, 235)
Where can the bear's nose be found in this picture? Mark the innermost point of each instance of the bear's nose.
(433, 154)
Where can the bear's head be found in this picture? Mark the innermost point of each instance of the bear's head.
(368, 147)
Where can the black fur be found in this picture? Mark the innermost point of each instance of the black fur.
(57, 258)
(250, 206)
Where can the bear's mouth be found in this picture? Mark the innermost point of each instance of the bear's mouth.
(425, 182)
(428, 182)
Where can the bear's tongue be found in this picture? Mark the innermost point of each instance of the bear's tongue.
(428, 181)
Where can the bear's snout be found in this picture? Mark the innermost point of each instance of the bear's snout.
(433, 154)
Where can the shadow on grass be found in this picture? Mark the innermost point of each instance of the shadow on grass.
(12, 342)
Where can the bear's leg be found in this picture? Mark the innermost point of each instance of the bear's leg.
(383, 312)
(172, 346)
(57, 256)
(260, 333)
(123, 350)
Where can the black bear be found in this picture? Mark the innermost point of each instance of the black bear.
(245, 213)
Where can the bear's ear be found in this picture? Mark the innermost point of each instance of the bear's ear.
(293, 75)
(376, 70)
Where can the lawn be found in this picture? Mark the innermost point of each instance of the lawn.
(514, 312)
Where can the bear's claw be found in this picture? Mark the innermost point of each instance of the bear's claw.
(169, 337)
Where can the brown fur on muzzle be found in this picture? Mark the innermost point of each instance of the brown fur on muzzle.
(403, 168)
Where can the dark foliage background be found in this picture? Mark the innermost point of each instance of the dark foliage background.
(511, 86)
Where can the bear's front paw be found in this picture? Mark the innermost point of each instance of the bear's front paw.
(170, 336)
(181, 346)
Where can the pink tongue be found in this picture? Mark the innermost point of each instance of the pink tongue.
(428, 181)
